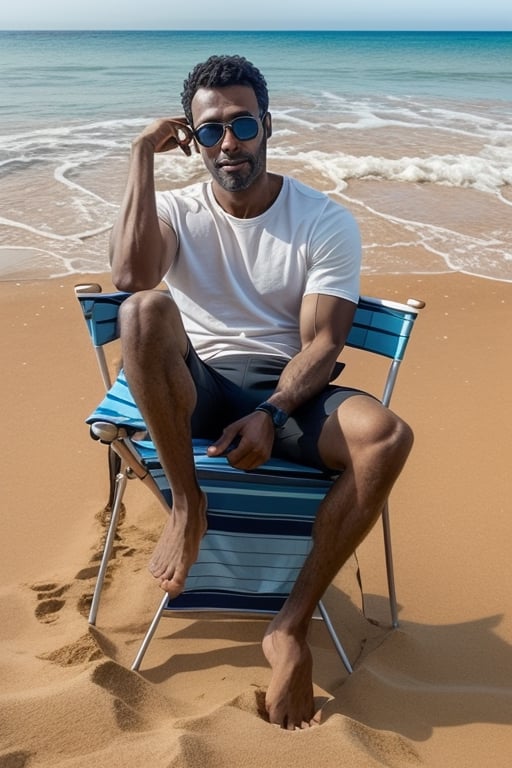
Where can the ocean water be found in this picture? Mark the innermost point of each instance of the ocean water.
(411, 131)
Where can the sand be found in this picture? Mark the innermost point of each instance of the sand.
(436, 692)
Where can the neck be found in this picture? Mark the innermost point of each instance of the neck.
(251, 202)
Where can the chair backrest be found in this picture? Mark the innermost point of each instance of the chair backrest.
(380, 326)
(384, 327)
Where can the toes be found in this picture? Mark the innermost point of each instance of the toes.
(174, 586)
(157, 570)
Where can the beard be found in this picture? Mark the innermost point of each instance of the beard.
(237, 181)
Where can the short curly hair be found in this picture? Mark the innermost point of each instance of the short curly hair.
(219, 72)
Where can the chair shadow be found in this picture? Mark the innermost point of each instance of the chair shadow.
(423, 677)
(235, 640)
(409, 680)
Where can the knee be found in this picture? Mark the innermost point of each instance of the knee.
(143, 308)
(398, 437)
(366, 431)
(146, 314)
(150, 320)
(387, 443)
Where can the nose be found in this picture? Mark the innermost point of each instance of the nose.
(229, 140)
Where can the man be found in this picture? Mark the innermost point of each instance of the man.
(263, 275)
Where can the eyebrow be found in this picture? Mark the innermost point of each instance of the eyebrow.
(242, 113)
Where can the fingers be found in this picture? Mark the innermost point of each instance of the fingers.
(174, 133)
(169, 133)
(247, 455)
(246, 443)
(226, 443)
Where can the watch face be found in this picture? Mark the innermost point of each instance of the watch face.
(279, 417)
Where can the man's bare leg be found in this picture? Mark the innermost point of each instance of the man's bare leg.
(372, 445)
(154, 345)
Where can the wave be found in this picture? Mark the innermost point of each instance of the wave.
(63, 183)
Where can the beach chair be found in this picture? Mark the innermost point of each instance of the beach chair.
(259, 522)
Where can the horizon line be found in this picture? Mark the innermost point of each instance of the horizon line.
(224, 30)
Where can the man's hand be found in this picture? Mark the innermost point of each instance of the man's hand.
(247, 443)
(168, 133)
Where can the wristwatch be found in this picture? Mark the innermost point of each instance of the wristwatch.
(278, 416)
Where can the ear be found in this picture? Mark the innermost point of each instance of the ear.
(268, 125)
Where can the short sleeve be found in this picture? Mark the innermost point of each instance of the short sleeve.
(334, 254)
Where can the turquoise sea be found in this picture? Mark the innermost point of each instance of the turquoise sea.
(412, 131)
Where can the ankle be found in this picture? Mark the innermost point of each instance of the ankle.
(291, 627)
(193, 501)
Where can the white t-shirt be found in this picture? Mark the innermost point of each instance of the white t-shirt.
(239, 283)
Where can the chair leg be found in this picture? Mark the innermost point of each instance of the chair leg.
(114, 468)
(334, 637)
(149, 634)
(120, 486)
(389, 567)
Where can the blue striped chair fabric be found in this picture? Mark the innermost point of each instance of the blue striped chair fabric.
(260, 522)
(254, 519)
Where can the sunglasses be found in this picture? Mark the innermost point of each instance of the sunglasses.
(244, 128)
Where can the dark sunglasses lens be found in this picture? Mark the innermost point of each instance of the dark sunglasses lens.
(209, 134)
(244, 128)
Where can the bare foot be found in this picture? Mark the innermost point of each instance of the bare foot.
(178, 547)
(289, 700)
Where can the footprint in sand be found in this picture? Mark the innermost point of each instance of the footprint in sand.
(50, 595)
(48, 610)
(84, 604)
(18, 759)
(87, 573)
(50, 600)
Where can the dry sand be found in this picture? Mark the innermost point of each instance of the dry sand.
(437, 692)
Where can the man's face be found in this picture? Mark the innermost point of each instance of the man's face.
(232, 163)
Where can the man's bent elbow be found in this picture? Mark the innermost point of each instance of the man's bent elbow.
(126, 279)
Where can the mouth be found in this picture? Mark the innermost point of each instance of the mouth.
(233, 164)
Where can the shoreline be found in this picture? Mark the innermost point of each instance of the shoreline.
(368, 276)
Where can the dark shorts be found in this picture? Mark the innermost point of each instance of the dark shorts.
(231, 386)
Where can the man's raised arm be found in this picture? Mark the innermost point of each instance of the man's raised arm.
(141, 247)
